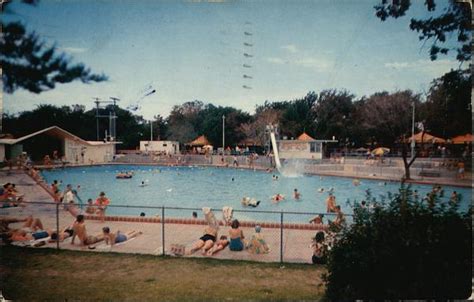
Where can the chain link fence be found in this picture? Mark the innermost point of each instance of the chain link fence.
(174, 231)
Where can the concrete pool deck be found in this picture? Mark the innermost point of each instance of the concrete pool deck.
(295, 241)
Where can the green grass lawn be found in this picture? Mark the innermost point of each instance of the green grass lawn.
(45, 274)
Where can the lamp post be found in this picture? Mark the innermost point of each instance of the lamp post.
(223, 133)
(413, 132)
(151, 130)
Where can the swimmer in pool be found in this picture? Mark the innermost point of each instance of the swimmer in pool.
(277, 198)
(296, 194)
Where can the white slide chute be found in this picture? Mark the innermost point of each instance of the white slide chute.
(275, 150)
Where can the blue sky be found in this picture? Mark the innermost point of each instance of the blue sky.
(195, 50)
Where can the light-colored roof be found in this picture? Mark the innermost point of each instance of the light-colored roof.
(461, 139)
(200, 141)
(53, 131)
(305, 137)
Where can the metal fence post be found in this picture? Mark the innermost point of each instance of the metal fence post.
(281, 237)
(57, 226)
(163, 229)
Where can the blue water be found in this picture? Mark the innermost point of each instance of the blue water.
(196, 187)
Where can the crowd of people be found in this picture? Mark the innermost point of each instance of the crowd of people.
(33, 229)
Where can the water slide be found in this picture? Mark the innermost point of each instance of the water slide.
(275, 151)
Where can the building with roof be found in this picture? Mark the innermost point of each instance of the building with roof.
(304, 147)
(168, 147)
(70, 147)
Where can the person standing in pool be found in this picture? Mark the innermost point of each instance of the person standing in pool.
(296, 194)
(331, 204)
(102, 202)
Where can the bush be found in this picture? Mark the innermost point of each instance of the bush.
(403, 248)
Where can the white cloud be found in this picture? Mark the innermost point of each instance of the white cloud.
(275, 60)
(421, 64)
(315, 63)
(291, 48)
(397, 65)
(73, 49)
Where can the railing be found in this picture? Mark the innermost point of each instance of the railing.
(170, 229)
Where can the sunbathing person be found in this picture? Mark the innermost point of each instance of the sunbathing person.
(79, 228)
(113, 238)
(206, 241)
(31, 225)
(219, 246)
(24, 235)
(257, 244)
(63, 234)
(236, 237)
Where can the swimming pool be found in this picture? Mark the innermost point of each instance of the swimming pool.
(196, 187)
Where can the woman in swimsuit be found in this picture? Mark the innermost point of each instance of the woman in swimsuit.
(236, 237)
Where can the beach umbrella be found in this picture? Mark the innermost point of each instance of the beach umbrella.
(380, 151)
(425, 137)
(463, 139)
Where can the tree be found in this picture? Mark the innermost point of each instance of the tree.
(333, 111)
(388, 116)
(211, 125)
(447, 110)
(255, 129)
(183, 121)
(404, 248)
(455, 20)
(29, 64)
(299, 116)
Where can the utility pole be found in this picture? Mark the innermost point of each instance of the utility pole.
(97, 114)
(223, 133)
(113, 130)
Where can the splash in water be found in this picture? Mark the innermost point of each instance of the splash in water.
(293, 168)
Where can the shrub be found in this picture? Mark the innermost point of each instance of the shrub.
(403, 248)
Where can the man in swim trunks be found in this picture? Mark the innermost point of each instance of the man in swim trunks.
(113, 238)
(79, 228)
(206, 241)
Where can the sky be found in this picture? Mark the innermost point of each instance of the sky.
(194, 50)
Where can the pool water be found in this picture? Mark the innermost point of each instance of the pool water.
(196, 187)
